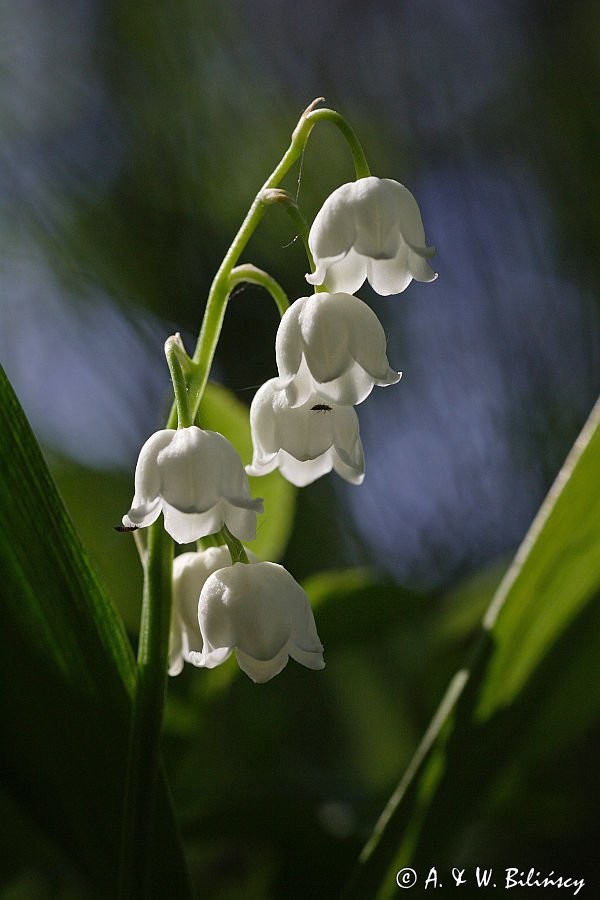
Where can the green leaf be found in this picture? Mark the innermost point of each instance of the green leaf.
(524, 695)
(221, 411)
(68, 673)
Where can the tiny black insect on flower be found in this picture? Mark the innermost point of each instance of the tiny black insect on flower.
(321, 407)
(125, 528)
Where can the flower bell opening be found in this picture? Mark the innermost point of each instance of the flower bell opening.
(190, 572)
(260, 613)
(197, 480)
(370, 229)
(333, 345)
(304, 441)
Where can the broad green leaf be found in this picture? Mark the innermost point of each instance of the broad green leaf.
(68, 675)
(527, 691)
(221, 411)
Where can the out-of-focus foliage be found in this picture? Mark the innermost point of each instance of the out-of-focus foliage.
(65, 719)
(510, 711)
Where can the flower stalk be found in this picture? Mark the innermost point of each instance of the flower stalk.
(236, 549)
(250, 274)
(144, 742)
(361, 166)
(276, 195)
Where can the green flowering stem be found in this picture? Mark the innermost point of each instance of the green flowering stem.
(189, 381)
(253, 275)
(144, 742)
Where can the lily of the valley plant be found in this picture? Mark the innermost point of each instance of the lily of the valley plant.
(219, 600)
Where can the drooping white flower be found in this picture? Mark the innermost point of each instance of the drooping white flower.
(197, 479)
(190, 571)
(259, 611)
(370, 229)
(304, 441)
(332, 344)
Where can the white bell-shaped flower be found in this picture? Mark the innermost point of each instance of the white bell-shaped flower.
(190, 571)
(332, 344)
(369, 229)
(304, 441)
(197, 479)
(259, 611)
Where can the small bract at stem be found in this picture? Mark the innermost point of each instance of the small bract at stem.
(177, 358)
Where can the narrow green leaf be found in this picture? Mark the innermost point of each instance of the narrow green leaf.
(535, 659)
(555, 573)
(68, 674)
(221, 411)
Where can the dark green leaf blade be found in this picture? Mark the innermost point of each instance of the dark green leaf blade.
(68, 675)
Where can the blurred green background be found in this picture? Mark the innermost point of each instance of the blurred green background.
(134, 135)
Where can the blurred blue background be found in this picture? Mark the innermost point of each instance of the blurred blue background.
(135, 134)
(133, 138)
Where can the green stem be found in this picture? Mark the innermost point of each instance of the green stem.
(254, 275)
(276, 195)
(300, 222)
(219, 290)
(144, 742)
